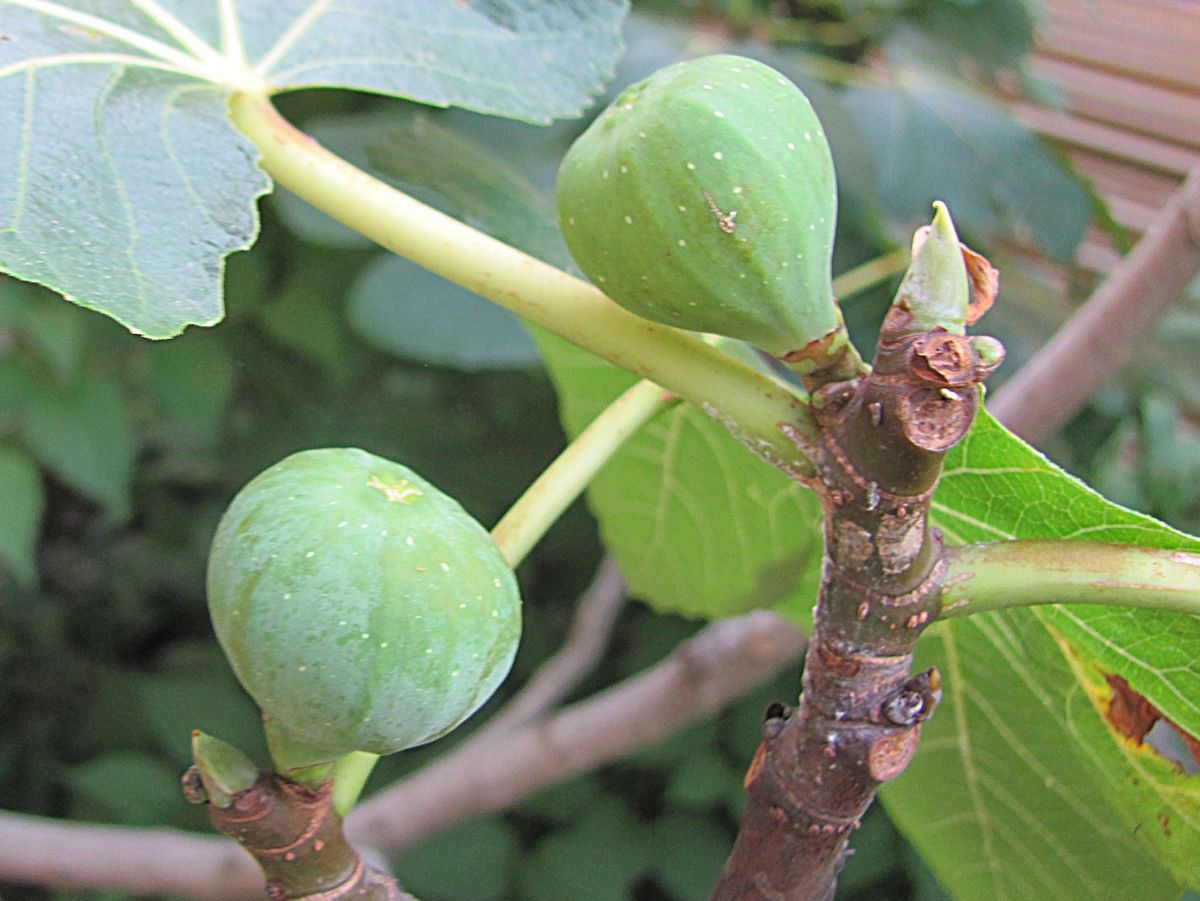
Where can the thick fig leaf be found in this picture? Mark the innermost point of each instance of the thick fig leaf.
(698, 524)
(995, 488)
(1020, 779)
(122, 183)
(1009, 794)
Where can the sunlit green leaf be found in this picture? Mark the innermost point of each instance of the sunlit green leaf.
(1017, 735)
(1009, 794)
(996, 488)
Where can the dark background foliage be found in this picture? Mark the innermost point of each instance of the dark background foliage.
(117, 455)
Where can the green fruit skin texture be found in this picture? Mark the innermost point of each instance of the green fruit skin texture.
(641, 194)
(363, 609)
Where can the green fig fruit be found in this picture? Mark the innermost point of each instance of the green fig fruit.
(363, 609)
(704, 197)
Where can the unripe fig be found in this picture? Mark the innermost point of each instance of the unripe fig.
(704, 197)
(363, 609)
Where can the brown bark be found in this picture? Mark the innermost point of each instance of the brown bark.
(297, 839)
(818, 768)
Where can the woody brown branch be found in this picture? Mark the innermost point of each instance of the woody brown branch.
(297, 839)
(818, 768)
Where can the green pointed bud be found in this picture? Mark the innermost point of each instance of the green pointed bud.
(223, 769)
(935, 289)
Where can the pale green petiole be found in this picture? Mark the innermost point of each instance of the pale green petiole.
(349, 776)
(562, 481)
(982, 577)
(751, 402)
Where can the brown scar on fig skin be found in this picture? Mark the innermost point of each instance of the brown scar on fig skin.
(725, 221)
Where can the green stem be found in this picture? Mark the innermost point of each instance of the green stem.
(753, 404)
(565, 479)
(350, 775)
(982, 577)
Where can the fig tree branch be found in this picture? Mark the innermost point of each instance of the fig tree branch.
(885, 434)
(1102, 335)
(716, 666)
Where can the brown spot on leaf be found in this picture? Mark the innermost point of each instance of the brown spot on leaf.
(1128, 712)
(1132, 715)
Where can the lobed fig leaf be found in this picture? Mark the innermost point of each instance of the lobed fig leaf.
(704, 197)
(363, 609)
